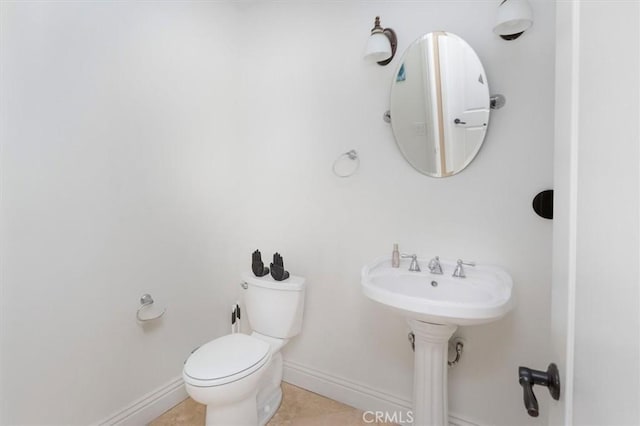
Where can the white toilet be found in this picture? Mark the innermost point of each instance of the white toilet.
(238, 376)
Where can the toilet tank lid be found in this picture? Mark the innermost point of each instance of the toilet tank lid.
(226, 356)
(293, 283)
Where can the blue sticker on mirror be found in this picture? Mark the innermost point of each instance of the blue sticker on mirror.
(402, 76)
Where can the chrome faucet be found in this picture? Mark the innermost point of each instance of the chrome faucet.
(414, 267)
(434, 266)
(459, 271)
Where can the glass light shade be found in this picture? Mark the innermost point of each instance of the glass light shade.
(514, 16)
(378, 47)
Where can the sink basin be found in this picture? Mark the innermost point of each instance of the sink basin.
(485, 294)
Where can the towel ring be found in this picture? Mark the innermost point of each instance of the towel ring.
(350, 155)
(145, 301)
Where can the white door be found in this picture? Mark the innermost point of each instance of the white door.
(596, 248)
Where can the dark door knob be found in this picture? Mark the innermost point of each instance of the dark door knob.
(529, 377)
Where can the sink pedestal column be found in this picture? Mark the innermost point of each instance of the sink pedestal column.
(430, 405)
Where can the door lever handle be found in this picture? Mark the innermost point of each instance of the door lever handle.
(458, 121)
(529, 377)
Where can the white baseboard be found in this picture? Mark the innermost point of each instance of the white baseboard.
(352, 393)
(150, 406)
(456, 420)
(346, 391)
(357, 395)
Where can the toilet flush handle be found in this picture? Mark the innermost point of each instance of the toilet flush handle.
(244, 285)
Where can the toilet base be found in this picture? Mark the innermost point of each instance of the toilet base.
(270, 390)
(242, 413)
(270, 407)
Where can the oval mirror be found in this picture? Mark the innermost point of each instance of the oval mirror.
(440, 104)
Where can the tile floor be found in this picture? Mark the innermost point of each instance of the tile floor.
(299, 408)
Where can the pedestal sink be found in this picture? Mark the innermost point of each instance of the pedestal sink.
(435, 305)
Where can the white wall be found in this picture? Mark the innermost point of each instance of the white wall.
(156, 151)
(118, 122)
(313, 98)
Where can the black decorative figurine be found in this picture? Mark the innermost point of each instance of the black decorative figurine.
(277, 268)
(256, 264)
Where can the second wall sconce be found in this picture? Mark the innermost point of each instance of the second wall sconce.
(514, 18)
(381, 45)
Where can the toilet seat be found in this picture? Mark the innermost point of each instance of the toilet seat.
(225, 360)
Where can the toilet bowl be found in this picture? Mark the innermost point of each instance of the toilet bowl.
(238, 376)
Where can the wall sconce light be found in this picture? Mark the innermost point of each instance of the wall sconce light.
(514, 18)
(382, 44)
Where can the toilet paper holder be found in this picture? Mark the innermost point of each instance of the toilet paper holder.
(145, 301)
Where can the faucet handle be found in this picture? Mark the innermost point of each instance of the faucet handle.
(459, 271)
(414, 267)
(413, 257)
(434, 266)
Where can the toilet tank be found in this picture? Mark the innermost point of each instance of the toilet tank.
(274, 308)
